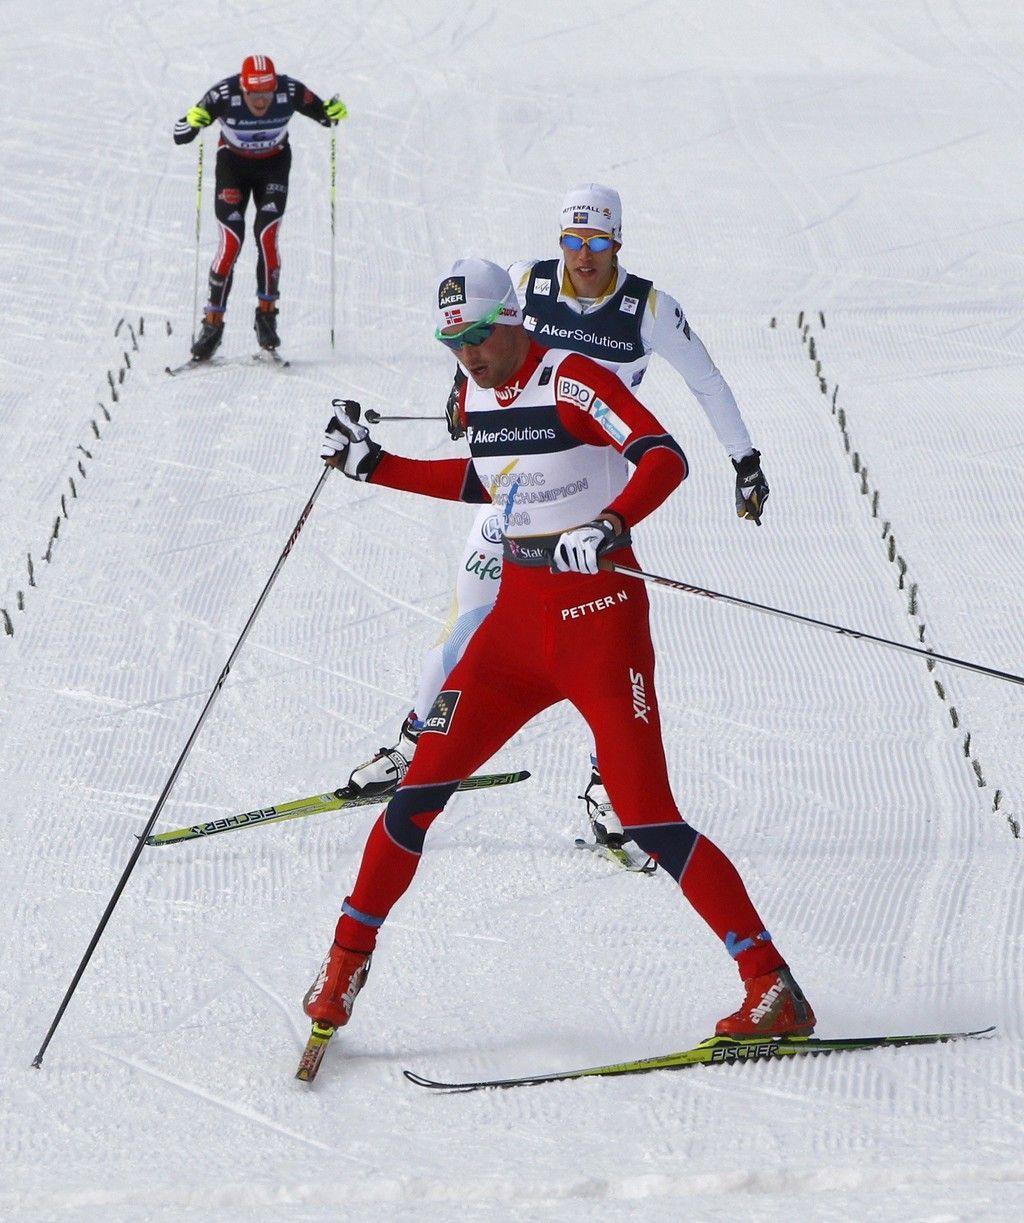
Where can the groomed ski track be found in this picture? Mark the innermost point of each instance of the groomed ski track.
(851, 172)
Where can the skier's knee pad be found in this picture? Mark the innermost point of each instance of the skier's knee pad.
(670, 845)
(411, 812)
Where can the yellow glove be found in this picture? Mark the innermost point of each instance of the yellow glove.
(335, 109)
(196, 116)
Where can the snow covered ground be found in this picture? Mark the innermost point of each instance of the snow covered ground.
(854, 172)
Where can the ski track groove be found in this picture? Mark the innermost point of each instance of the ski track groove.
(209, 1097)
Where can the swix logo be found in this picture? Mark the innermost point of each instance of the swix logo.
(640, 707)
(768, 1001)
(505, 394)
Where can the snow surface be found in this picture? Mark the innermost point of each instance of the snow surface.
(857, 164)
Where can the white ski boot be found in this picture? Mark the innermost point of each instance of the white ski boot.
(382, 774)
(606, 825)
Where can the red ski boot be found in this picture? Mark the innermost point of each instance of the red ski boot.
(330, 998)
(774, 1006)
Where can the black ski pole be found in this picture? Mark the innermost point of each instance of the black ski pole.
(658, 580)
(374, 418)
(37, 1061)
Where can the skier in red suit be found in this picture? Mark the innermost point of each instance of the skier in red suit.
(551, 435)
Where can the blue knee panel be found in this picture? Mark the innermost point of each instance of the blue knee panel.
(670, 844)
(410, 801)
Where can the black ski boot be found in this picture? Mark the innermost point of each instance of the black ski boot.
(266, 327)
(210, 335)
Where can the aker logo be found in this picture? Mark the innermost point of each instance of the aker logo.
(575, 392)
(230, 195)
(441, 713)
(640, 707)
(451, 292)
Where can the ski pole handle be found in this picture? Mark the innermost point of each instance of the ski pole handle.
(350, 408)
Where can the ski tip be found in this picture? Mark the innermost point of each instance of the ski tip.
(420, 1081)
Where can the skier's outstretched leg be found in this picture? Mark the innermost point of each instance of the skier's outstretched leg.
(618, 699)
(487, 699)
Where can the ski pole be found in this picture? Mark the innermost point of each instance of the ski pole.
(334, 177)
(199, 214)
(658, 580)
(38, 1059)
(374, 418)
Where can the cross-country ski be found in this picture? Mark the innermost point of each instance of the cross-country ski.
(716, 1051)
(315, 804)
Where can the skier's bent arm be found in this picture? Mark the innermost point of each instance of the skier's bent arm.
(595, 406)
(670, 336)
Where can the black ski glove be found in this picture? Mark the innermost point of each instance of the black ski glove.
(751, 486)
(456, 429)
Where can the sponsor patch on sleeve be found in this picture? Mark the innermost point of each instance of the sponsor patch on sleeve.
(613, 425)
(575, 392)
(442, 711)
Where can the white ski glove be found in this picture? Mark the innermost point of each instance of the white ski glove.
(579, 550)
(347, 444)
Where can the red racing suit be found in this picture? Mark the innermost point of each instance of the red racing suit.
(550, 450)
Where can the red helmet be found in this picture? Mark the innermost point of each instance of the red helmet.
(258, 74)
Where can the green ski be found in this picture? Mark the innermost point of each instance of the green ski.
(316, 804)
(716, 1051)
